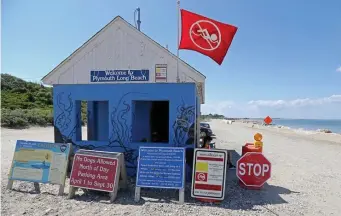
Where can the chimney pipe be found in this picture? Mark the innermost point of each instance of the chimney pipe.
(138, 19)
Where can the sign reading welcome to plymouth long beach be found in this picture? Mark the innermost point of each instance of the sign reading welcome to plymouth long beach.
(119, 75)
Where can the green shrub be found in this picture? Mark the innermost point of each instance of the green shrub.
(18, 122)
(49, 117)
(84, 113)
(14, 119)
(19, 94)
(35, 117)
(22, 118)
(25, 103)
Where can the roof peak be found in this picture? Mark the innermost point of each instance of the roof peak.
(115, 19)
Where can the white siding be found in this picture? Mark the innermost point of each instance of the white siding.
(120, 46)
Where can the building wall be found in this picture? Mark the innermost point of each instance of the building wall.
(119, 46)
(67, 100)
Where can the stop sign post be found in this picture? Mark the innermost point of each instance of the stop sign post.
(253, 170)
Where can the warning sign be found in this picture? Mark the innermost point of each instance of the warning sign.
(201, 176)
(94, 172)
(268, 120)
(98, 170)
(161, 73)
(209, 173)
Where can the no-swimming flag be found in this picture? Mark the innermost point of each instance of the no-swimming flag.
(206, 36)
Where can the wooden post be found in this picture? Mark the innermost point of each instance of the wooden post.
(137, 194)
(61, 190)
(9, 184)
(62, 186)
(124, 181)
(113, 194)
(229, 158)
(182, 196)
(182, 190)
(72, 192)
(36, 187)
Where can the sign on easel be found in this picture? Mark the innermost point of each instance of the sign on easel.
(209, 174)
(161, 167)
(97, 170)
(40, 162)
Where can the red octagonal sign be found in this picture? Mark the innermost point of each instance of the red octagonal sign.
(253, 169)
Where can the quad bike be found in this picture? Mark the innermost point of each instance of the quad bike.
(201, 143)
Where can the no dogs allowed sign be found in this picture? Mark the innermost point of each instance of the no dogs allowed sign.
(209, 173)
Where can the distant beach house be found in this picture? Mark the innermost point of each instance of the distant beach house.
(137, 93)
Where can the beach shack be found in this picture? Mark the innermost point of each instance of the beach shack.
(137, 93)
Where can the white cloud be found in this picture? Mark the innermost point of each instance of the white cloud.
(219, 107)
(326, 107)
(338, 69)
(297, 102)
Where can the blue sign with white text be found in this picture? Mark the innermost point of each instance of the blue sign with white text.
(119, 75)
(161, 167)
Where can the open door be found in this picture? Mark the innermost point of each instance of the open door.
(159, 121)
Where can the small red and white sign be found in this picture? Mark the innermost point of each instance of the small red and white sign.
(201, 176)
(161, 73)
(253, 169)
(94, 172)
(209, 174)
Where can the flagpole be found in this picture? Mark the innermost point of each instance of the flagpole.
(177, 43)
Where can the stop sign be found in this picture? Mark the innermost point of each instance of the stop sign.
(253, 169)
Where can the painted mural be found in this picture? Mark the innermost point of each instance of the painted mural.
(65, 128)
(121, 134)
(184, 125)
(68, 124)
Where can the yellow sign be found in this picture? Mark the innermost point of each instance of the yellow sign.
(33, 155)
(258, 137)
(258, 140)
(201, 166)
(258, 144)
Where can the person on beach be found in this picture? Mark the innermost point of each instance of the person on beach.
(206, 142)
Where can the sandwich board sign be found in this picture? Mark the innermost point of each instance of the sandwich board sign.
(97, 170)
(161, 167)
(209, 174)
(40, 162)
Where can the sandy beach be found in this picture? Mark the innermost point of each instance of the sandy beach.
(306, 180)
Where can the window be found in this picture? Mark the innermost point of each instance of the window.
(150, 121)
(94, 118)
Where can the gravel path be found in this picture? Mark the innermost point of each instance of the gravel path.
(306, 180)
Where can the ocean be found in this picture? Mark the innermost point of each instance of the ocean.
(310, 124)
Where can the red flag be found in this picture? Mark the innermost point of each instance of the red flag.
(205, 35)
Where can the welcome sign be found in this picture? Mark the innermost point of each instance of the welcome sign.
(119, 75)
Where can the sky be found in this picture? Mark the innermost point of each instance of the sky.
(284, 61)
